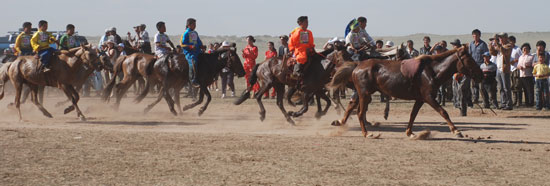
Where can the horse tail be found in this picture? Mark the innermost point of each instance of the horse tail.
(150, 67)
(252, 81)
(4, 77)
(107, 91)
(342, 75)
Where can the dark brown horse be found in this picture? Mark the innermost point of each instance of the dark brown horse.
(208, 67)
(274, 73)
(24, 70)
(385, 76)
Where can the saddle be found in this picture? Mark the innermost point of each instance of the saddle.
(410, 67)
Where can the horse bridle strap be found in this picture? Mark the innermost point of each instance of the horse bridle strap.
(460, 59)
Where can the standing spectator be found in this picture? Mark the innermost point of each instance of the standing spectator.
(270, 53)
(525, 66)
(425, 50)
(103, 40)
(250, 53)
(227, 75)
(477, 48)
(143, 40)
(503, 50)
(134, 40)
(442, 44)
(461, 93)
(116, 38)
(541, 51)
(456, 44)
(23, 41)
(541, 73)
(516, 83)
(283, 49)
(411, 52)
(389, 44)
(489, 84)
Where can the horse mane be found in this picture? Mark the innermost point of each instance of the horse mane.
(438, 57)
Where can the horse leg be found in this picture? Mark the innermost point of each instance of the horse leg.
(263, 89)
(26, 92)
(353, 103)
(445, 115)
(150, 106)
(306, 97)
(280, 88)
(73, 95)
(364, 101)
(18, 88)
(416, 108)
(194, 104)
(289, 93)
(121, 89)
(208, 99)
(387, 109)
(177, 98)
(34, 99)
(165, 90)
(325, 97)
(41, 94)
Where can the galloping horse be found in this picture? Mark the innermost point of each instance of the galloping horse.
(274, 73)
(208, 67)
(64, 70)
(171, 75)
(386, 76)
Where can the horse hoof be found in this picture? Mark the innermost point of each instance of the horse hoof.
(372, 136)
(174, 112)
(262, 116)
(336, 123)
(82, 118)
(48, 115)
(68, 109)
(318, 115)
(459, 135)
(201, 111)
(291, 122)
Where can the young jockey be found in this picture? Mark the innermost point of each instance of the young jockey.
(40, 43)
(161, 49)
(68, 40)
(301, 42)
(191, 44)
(23, 41)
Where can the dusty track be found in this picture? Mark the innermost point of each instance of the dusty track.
(228, 145)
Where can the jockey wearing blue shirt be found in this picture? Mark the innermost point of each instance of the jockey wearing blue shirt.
(192, 45)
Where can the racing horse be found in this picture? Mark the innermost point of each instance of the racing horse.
(420, 85)
(64, 67)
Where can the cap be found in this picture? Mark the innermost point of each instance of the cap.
(112, 29)
(110, 41)
(121, 45)
(332, 40)
(226, 44)
(502, 34)
(142, 25)
(456, 42)
(389, 43)
(486, 54)
(283, 37)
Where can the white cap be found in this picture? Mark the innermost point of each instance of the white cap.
(389, 43)
(226, 44)
(333, 40)
(12, 45)
(121, 45)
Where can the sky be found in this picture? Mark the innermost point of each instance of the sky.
(327, 18)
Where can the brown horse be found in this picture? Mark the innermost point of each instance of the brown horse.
(24, 70)
(385, 76)
(133, 66)
(171, 75)
(274, 73)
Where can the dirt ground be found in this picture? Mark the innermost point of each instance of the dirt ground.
(229, 145)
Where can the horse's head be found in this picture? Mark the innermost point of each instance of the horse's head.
(105, 62)
(338, 56)
(466, 64)
(234, 62)
(401, 53)
(87, 55)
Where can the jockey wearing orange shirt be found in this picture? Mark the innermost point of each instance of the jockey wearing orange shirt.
(301, 42)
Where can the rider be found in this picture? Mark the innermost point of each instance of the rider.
(191, 44)
(23, 41)
(356, 45)
(40, 43)
(143, 39)
(68, 40)
(301, 42)
(161, 49)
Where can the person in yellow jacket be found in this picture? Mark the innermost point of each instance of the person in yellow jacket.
(23, 41)
(40, 43)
